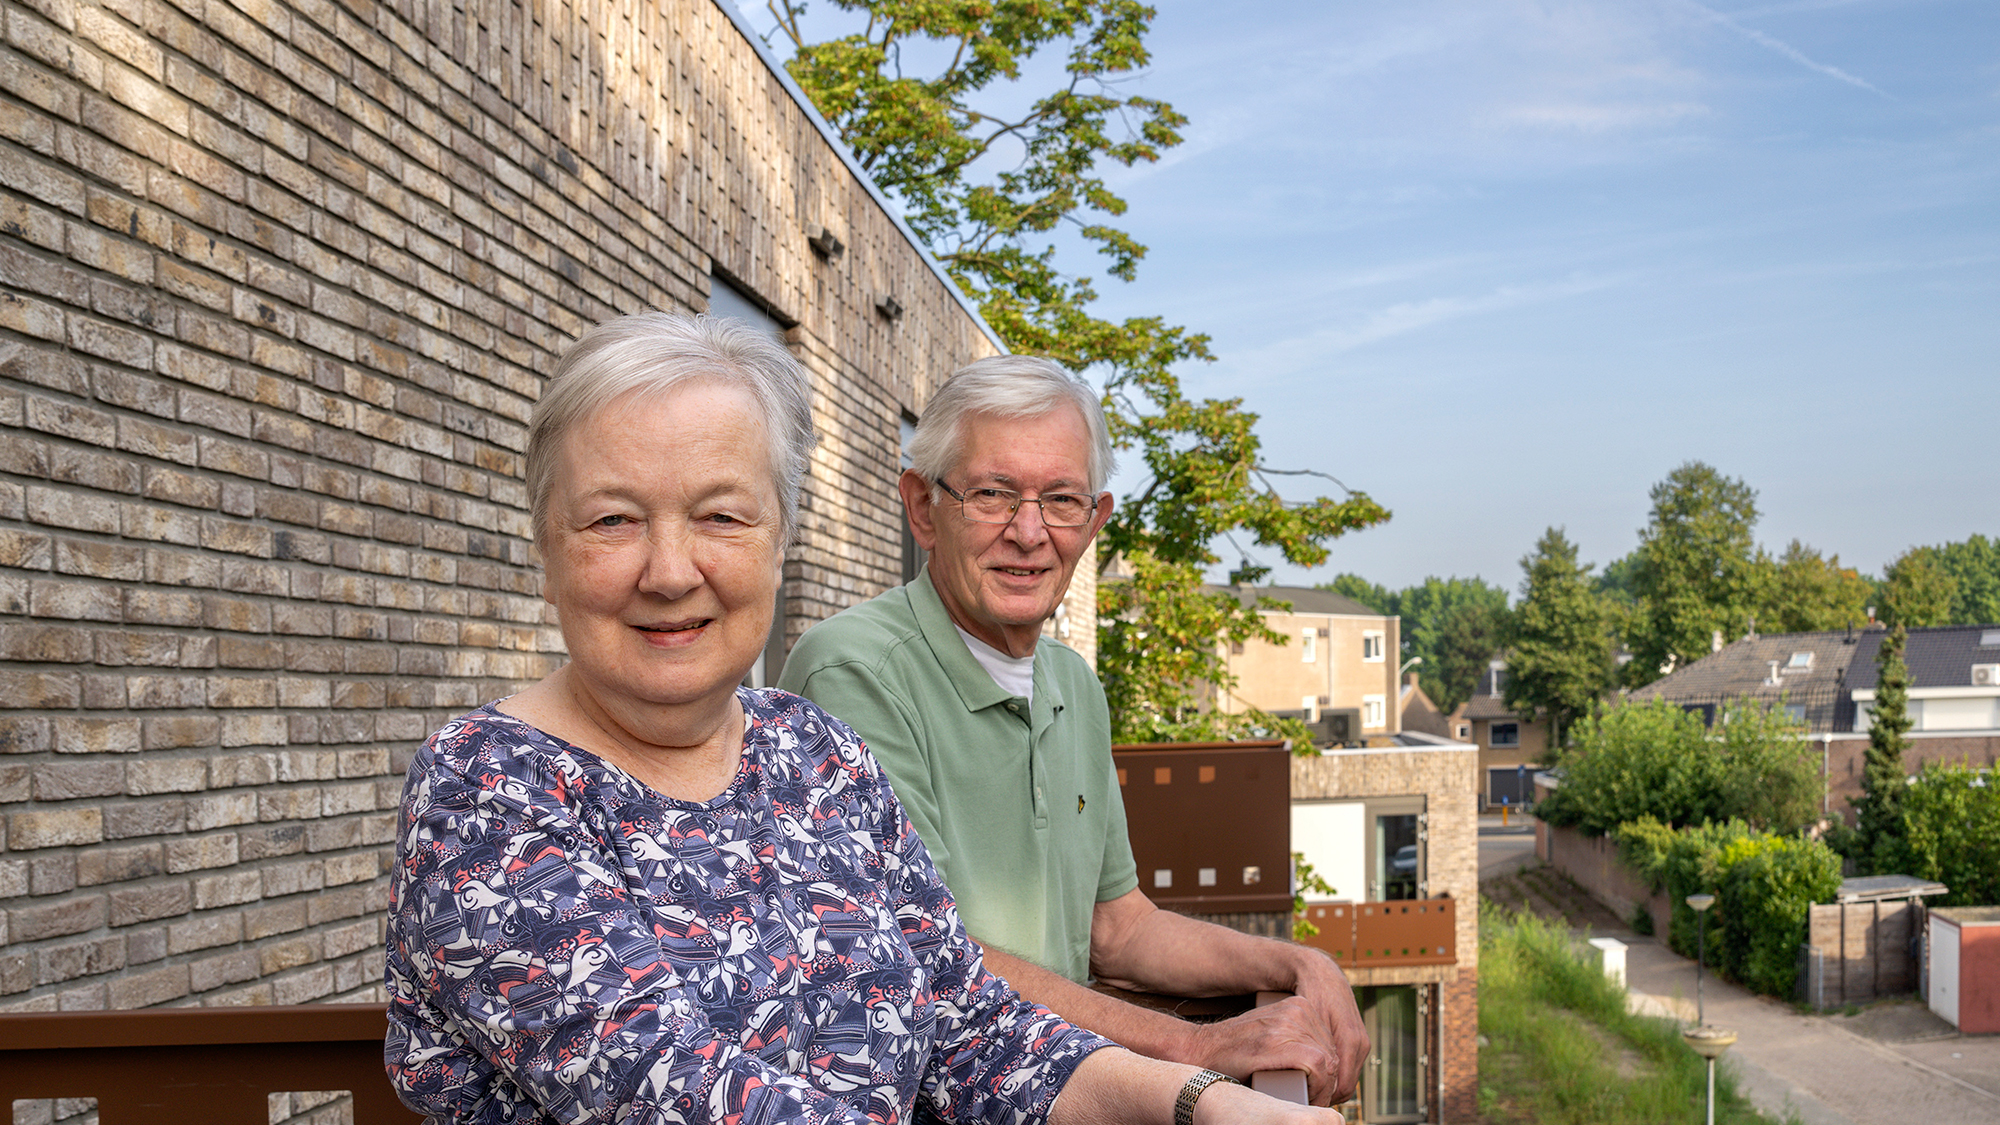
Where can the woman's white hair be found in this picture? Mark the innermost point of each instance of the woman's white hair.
(1005, 386)
(649, 353)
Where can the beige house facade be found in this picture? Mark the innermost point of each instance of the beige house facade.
(1339, 657)
(1509, 744)
(280, 284)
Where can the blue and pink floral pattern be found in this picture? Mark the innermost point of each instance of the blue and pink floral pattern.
(567, 945)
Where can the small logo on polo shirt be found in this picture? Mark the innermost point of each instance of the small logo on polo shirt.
(1079, 802)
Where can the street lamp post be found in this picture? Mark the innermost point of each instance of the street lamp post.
(1701, 903)
(1709, 1043)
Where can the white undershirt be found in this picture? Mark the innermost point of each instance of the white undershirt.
(1015, 674)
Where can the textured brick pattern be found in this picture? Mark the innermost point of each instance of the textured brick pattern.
(279, 285)
(1448, 779)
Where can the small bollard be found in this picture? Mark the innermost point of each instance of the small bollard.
(1611, 955)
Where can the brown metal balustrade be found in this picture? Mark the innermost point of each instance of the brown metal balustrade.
(1380, 935)
(199, 1066)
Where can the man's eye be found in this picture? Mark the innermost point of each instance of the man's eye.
(999, 494)
(614, 521)
(722, 518)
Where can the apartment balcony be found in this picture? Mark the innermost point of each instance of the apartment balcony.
(1385, 935)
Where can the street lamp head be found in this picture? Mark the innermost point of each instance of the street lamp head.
(1700, 902)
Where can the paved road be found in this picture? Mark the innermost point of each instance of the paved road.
(1895, 1061)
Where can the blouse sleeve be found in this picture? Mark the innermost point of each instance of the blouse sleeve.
(997, 1057)
(520, 972)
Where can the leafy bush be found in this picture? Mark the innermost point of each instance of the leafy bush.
(1769, 884)
(1951, 833)
(1656, 760)
(1683, 862)
(1765, 886)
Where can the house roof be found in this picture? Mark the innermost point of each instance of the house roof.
(1304, 599)
(1939, 656)
(1811, 672)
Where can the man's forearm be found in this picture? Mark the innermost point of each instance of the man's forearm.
(1153, 1034)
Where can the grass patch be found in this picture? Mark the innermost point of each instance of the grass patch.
(1563, 1049)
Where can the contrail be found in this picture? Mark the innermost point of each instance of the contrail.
(1786, 49)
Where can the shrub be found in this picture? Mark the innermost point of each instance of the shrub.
(1769, 884)
(1765, 886)
(1951, 833)
(1656, 760)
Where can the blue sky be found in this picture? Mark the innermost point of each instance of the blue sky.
(1505, 265)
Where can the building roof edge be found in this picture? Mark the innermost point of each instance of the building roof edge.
(840, 149)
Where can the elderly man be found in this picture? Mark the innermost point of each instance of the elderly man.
(998, 742)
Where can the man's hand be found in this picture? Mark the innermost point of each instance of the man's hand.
(1317, 1030)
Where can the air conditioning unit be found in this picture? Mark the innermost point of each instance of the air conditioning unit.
(1986, 675)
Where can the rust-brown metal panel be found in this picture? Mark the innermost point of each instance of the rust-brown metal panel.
(1216, 817)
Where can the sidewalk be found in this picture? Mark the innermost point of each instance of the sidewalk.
(1827, 1068)
(1894, 1061)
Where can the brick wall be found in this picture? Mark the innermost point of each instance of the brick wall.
(279, 284)
(1448, 779)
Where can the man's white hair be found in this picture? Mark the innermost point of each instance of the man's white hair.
(1006, 386)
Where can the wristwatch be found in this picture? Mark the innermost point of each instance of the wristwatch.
(1191, 1093)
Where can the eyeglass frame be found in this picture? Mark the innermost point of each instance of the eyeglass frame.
(1014, 510)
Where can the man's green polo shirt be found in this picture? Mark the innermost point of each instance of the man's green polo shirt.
(1017, 803)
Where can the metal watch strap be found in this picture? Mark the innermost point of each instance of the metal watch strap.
(1191, 1093)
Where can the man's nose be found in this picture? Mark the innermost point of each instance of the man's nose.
(1027, 528)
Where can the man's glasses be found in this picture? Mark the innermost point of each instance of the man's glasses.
(998, 505)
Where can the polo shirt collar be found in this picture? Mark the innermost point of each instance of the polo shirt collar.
(976, 688)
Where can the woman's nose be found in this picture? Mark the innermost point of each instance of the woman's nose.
(670, 570)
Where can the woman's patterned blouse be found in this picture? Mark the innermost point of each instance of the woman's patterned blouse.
(567, 945)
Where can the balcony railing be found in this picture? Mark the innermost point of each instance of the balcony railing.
(200, 1066)
(1381, 935)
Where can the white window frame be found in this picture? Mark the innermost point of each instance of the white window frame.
(1374, 711)
(1373, 643)
(1308, 645)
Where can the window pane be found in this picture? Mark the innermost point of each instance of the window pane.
(1396, 857)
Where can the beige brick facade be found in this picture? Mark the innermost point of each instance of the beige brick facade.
(1447, 780)
(279, 285)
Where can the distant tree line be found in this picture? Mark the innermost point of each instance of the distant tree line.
(1697, 574)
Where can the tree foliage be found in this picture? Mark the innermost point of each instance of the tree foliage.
(1562, 653)
(1654, 759)
(1697, 572)
(1879, 811)
(1812, 593)
(1455, 625)
(1951, 833)
(1917, 590)
(988, 187)
(1765, 886)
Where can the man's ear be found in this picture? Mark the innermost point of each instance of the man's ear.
(917, 506)
(1103, 516)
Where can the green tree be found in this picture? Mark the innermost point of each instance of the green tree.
(1468, 637)
(1562, 656)
(1951, 833)
(1812, 593)
(1975, 566)
(1698, 571)
(1918, 590)
(988, 187)
(1378, 598)
(1879, 811)
(1453, 625)
(1656, 760)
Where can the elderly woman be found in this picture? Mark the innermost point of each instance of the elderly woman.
(638, 892)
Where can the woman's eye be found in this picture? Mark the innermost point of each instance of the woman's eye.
(722, 518)
(614, 521)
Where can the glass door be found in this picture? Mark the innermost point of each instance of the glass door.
(1392, 1086)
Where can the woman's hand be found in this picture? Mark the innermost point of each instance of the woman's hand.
(1116, 1087)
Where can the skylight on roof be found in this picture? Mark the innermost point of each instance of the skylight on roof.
(1801, 660)
(1990, 639)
